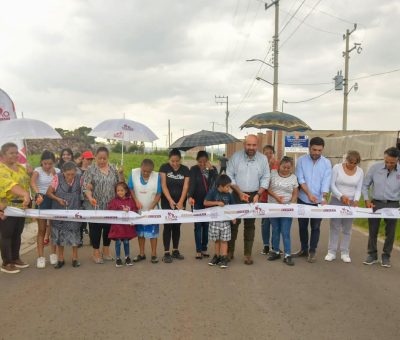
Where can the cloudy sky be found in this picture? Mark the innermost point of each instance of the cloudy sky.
(76, 62)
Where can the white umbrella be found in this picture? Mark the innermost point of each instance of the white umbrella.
(25, 128)
(123, 130)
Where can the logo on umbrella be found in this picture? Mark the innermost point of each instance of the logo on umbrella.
(127, 127)
(119, 134)
(4, 115)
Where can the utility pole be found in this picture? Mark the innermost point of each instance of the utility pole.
(183, 132)
(169, 132)
(212, 147)
(346, 55)
(276, 53)
(224, 100)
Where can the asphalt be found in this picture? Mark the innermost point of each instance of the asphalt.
(190, 300)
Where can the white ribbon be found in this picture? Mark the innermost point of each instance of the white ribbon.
(229, 212)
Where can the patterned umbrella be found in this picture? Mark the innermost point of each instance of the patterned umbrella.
(203, 138)
(276, 121)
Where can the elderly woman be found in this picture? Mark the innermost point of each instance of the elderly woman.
(175, 185)
(14, 186)
(202, 178)
(98, 185)
(346, 184)
(145, 187)
(65, 192)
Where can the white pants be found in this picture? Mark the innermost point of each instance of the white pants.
(336, 225)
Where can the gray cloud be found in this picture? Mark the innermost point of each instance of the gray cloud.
(87, 61)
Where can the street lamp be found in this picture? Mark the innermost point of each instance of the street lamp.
(261, 61)
(259, 78)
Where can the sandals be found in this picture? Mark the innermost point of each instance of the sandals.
(199, 256)
(205, 254)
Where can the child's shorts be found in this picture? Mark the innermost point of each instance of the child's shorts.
(148, 230)
(219, 231)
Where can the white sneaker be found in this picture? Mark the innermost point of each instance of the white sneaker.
(330, 257)
(41, 263)
(346, 258)
(53, 259)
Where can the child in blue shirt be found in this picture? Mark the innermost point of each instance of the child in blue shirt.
(220, 231)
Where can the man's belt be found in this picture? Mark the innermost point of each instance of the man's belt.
(385, 201)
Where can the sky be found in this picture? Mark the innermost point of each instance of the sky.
(75, 62)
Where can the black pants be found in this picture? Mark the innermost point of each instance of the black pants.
(10, 238)
(390, 229)
(95, 231)
(173, 230)
(222, 170)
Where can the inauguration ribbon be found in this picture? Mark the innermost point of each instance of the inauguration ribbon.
(229, 212)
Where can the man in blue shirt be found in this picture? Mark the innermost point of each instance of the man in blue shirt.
(249, 172)
(314, 173)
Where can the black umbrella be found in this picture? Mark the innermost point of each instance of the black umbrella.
(276, 121)
(203, 138)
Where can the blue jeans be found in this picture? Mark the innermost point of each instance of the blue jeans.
(118, 248)
(315, 224)
(266, 230)
(281, 225)
(201, 236)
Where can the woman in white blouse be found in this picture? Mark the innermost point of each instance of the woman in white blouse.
(346, 185)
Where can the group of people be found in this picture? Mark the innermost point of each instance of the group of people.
(90, 181)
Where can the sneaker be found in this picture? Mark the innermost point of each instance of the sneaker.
(214, 261)
(76, 263)
(20, 264)
(53, 259)
(167, 258)
(301, 253)
(288, 260)
(371, 259)
(265, 250)
(311, 257)
(177, 255)
(154, 259)
(223, 263)
(9, 269)
(128, 261)
(118, 263)
(139, 258)
(273, 256)
(59, 264)
(345, 258)
(330, 257)
(41, 263)
(385, 261)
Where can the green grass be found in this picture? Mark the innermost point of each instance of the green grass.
(363, 223)
(130, 161)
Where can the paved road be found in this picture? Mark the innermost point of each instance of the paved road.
(190, 300)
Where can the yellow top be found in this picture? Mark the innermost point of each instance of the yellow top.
(10, 178)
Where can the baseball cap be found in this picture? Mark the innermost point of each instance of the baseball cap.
(87, 155)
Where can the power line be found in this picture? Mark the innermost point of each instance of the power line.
(376, 74)
(309, 99)
(292, 16)
(301, 22)
(357, 78)
(315, 27)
